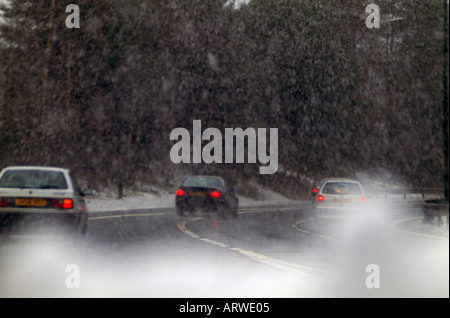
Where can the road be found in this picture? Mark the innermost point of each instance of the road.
(268, 251)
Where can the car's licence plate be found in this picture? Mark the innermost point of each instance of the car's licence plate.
(198, 194)
(30, 202)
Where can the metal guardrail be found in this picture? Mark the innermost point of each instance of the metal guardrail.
(411, 191)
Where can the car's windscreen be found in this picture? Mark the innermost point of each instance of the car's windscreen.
(33, 179)
(204, 182)
(344, 188)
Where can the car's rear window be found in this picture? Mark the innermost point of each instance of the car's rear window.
(33, 179)
(203, 182)
(344, 188)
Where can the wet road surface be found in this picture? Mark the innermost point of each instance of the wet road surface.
(268, 251)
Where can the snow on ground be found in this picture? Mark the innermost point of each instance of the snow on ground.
(151, 198)
(135, 200)
(157, 198)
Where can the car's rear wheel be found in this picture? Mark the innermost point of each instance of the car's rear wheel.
(225, 212)
(80, 224)
(222, 211)
(7, 220)
(233, 212)
(180, 211)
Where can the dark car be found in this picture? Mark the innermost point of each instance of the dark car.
(206, 193)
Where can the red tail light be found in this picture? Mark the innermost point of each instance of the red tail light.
(63, 203)
(215, 194)
(315, 190)
(180, 192)
(3, 202)
(362, 199)
(67, 204)
(320, 198)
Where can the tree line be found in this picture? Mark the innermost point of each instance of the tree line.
(103, 99)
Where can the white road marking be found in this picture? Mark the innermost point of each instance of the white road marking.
(283, 265)
(286, 266)
(393, 226)
(261, 258)
(396, 223)
(296, 226)
(126, 215)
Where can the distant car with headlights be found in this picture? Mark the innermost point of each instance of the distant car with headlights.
(41, 192)
(208, 194)
(338, 197)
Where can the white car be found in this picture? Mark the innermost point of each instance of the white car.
(338, 197)
(33, 190)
